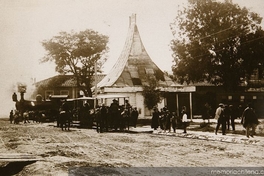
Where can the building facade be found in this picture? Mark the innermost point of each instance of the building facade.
(129, 74)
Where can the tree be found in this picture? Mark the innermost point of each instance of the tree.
(77, 53)
(216, 41)
(151, 93)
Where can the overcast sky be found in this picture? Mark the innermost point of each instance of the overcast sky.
(25, 23)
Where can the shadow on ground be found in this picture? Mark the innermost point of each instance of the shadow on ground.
(13, 168)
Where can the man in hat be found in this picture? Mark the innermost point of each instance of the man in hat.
(64, 117)
(114, 114)
(155, 118)
(232, 116)
(249, 120)
(134, 116)
(219, 116)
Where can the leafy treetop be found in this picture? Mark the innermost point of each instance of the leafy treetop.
(218, 42)
(77, 53)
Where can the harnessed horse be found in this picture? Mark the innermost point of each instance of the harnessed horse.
(65, 120)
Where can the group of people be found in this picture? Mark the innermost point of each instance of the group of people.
(225, 113)
(115, 117)
(167, 120)
(120, 117)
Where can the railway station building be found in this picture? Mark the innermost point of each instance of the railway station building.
(128, 76)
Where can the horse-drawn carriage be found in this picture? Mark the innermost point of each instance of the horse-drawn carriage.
(99, 112)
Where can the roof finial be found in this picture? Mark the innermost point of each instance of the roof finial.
(132, 19)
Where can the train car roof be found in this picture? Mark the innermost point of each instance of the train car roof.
(111, 96)
(70, 99)
(85, 98)
(59, 96)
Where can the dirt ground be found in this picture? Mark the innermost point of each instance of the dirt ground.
(58, 151)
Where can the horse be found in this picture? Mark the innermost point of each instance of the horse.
(65, 120)
(17, 117)
(125, 120)
(26, 117)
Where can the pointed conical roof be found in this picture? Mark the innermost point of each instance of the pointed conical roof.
(133, 64)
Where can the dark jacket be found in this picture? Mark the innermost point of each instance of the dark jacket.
(249, 117)
(155, 119)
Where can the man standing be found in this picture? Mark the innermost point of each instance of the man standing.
(155, 119)
(219, 116)
(232, 116)
(184, 119)
(11, 116)
(104, 120)
(134, 116)
(249, 120)
(64, 117)
(227, 114)
(115, 115)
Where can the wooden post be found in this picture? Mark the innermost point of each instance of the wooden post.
(95, 85)
(191, 115)
(177, 105)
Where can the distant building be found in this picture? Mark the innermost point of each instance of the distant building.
(251, 91)
(59, 85)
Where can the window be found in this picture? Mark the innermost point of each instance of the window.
(149, 71)
(242, 98)
(230, 97)
(254, 97)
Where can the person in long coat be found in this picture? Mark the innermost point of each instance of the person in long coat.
(11, 116)
(155, 119)
(115, 114)
(232, 116)
(134, 116)
(104, 120)
(249, 120)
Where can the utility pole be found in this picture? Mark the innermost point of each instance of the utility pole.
(95, 85)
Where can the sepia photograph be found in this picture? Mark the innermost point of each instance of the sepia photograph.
(131, 87)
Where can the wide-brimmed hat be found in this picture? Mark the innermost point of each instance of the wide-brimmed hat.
(221, 104)
(114, 99)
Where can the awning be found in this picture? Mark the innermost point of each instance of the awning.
(111, 96)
